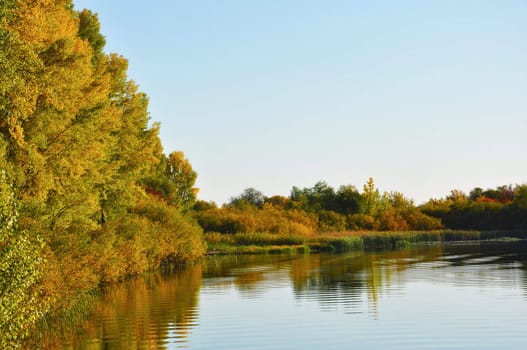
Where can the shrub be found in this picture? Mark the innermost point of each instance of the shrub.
(357, 222)
(330, 221)
(420, 221)
(392, 220)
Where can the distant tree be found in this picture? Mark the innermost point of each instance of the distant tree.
(348, 200)
(475, 193)
(517, 210)
(299, 198)
(399, 201)
(503, 194)
(457, 196)
(279, 202)
(249, 196)
(202, 205)
(319, 197)
(520, 196)
(370, 198)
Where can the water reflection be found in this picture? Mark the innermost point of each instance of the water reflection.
(163, 310)
(345, 281)
(336, 280)
(144, 313)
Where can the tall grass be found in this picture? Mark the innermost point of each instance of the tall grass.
(268, 243)
(257, 239)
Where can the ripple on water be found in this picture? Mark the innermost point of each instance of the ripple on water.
(437, 297)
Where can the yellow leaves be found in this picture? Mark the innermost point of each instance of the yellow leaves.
(75, 133)
(16, 131)
(42, 22)
(183, 177)
(70, 169)
(68, 77)
(65, 81)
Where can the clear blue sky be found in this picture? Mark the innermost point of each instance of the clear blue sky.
(424, 96)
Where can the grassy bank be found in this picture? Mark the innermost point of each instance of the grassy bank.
(268, 243)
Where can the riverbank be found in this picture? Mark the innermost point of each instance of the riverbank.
(268, 243)
(206, 305)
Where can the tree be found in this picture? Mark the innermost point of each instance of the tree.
(89, 29)
(503, 194)
(21, 264)
(399, 201)
(182, 177)
(319, 197)
(249, 196)
(457, 196)
(348, 200)
(475, 193)
(76, 143)
(370, 198)
(279, 202)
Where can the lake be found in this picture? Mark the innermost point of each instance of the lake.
(452, 296)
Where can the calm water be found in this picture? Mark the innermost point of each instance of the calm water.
(456, 296)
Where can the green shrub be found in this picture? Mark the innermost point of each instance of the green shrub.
(355, 222)
(330, 221)
(21, 263)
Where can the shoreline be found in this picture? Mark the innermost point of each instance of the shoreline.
(338, 242)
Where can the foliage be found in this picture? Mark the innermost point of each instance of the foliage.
(266, 243)
(172, 181)
(370, 198)
(330, 221)
(249, 197)
(182, 177)
(322, 209)
(502, 208)
(316, 209)
(268, 219)
(21, 262)
(77, 143)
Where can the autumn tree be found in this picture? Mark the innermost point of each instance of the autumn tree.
(182, 177)
(250, 196)
(371, 198)
(76, 143)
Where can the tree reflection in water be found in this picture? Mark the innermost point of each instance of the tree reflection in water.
(162, 308)
(143, 313)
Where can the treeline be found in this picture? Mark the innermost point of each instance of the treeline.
(322, 209)
(502, 208)
(87, 195)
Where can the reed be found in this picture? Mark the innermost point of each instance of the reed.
(256, 239)
(273, 249)
(338, 242)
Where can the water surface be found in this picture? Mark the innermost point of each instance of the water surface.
(455, 296)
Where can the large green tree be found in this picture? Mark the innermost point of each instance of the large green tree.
(76, 144)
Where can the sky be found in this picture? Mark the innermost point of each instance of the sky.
(423, 96)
